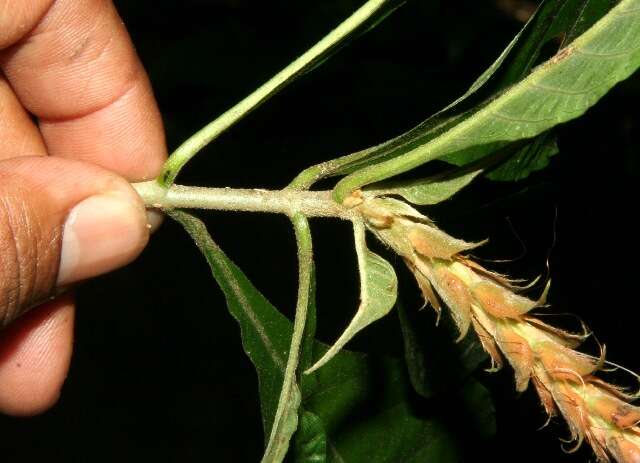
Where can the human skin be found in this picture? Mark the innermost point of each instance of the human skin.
(78, 122)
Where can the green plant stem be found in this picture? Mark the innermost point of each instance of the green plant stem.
(305, 179)
(285, 422)
(206, 135)
(288, 202)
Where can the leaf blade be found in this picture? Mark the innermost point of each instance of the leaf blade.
(266, 333)
(337, 390)
(378, 294)
(561, 89)
(550, 19)
(391, 430)
(431, 190)
(311, 440)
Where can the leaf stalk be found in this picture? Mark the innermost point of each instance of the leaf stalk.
(285, 422)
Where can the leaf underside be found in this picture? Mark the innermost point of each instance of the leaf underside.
(556, 21)
(378, 293)
(428, 191)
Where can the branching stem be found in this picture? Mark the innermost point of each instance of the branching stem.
(288, 202)
(303, 64)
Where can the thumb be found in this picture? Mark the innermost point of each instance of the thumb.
(62, 221)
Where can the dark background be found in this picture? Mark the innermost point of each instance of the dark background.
(159, 373)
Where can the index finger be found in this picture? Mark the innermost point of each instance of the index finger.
(72, 65)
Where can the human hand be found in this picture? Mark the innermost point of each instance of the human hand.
(67, 212)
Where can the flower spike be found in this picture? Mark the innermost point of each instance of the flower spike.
(490, 304)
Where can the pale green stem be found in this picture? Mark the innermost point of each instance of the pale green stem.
(286, 419)
(203, 137)
(289, 202)
(305, 179)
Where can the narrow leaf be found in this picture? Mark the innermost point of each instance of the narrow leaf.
(378, 293)
(431, 190)
(561, 89)
(515, 161)
(310, 440)
(434, 362)
(391, 430)
(425, 131)
(532, 158)
(557, 21)
(266, 333)
(371, 414)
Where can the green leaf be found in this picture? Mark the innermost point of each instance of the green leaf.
(311, 440)
(414, 355)
(435, 125)
(239, 292)
(428, 191)
(393, 428)
(532, 158)
(555, 21)
(427, 130)
(475, 396)
(553, 18)
(378, 293)
(371, 414)
(561, 89)
(266, 333)
(429, 348)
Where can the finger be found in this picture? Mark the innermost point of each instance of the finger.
(35, 353)
(74, 67)
(19, 136)
(61, 221)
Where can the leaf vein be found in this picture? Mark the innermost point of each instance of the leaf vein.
(629, 12)
(563, 91)
(606, 55)
(245, 306)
